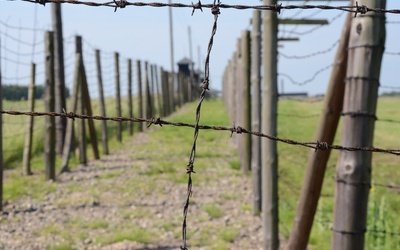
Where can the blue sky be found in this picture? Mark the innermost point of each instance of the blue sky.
(143, 33)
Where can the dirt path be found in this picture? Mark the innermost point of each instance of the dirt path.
(133, 199)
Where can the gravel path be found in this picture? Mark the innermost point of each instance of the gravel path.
(121, 202)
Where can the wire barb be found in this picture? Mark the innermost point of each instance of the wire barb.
(360, 9)
(196, 6)
(119, 4)
(155, 122)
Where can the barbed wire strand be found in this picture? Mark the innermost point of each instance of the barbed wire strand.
(205, 86)
(311, 54)
(316, 73)
(316, 145)
(357, 9)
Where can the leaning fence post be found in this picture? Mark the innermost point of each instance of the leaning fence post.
(26, 159)
(104, 134)
(118, 96)
(69, 134)
(49, 136)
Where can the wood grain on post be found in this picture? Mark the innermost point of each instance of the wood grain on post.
(26, 158)
(104, 133)
(49, 136)
(353, 170)
(256, 109)
(318, 160)
(269, 109)
(118, 96)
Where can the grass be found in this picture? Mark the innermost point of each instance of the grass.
(164, 160)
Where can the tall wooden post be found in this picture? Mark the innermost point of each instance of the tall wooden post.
(81, 106)
(49, 136)
(158, 93)
(118, 96)
(147, 104)
(165, 92)
(152, 91)
(171, 84)
(256, 109)
(104, 133)
(269, 109)
(26, 159)
(130, 103)
(140, 94)
(60, 99)
(318, 160)
(353, 170)
(244, 108)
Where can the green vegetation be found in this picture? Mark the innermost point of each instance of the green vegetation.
(163, 157)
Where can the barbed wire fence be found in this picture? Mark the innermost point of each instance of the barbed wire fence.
(215, 9)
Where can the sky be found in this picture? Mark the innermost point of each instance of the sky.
(142, 33)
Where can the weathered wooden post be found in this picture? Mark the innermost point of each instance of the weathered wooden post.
(256, 109)
(317, 160)
(269, 157)
(49, 136)
(104, 133)
(244, 108)
(140, 95)
(118, 96)
(148, 111)
(130, 103)
(158, 93)
(60, 98)
(26, 159)
(353, 170)
(81, 106)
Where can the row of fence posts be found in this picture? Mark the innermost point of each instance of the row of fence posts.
(156, 97)
(352, 89)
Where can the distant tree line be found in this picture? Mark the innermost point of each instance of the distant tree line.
(20, 92)
(392, 93)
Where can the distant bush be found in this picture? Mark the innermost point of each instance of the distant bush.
(392, 93)
(20, 92)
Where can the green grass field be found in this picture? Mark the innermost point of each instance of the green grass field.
(383, 202)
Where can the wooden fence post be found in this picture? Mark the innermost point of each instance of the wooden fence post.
(171, 85)
(140, 94)
(164, 91)
(59, 76)
(118, 96)
(256, 109)
(70, 122)
(317, 160)
(269, 111)
(104, 133)
(147, 105)
(26, 159)
(245, 107)
(130, 103)
(152, 91)
(158, 93)
(81, 106)
(49, 136)
(353, 170)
